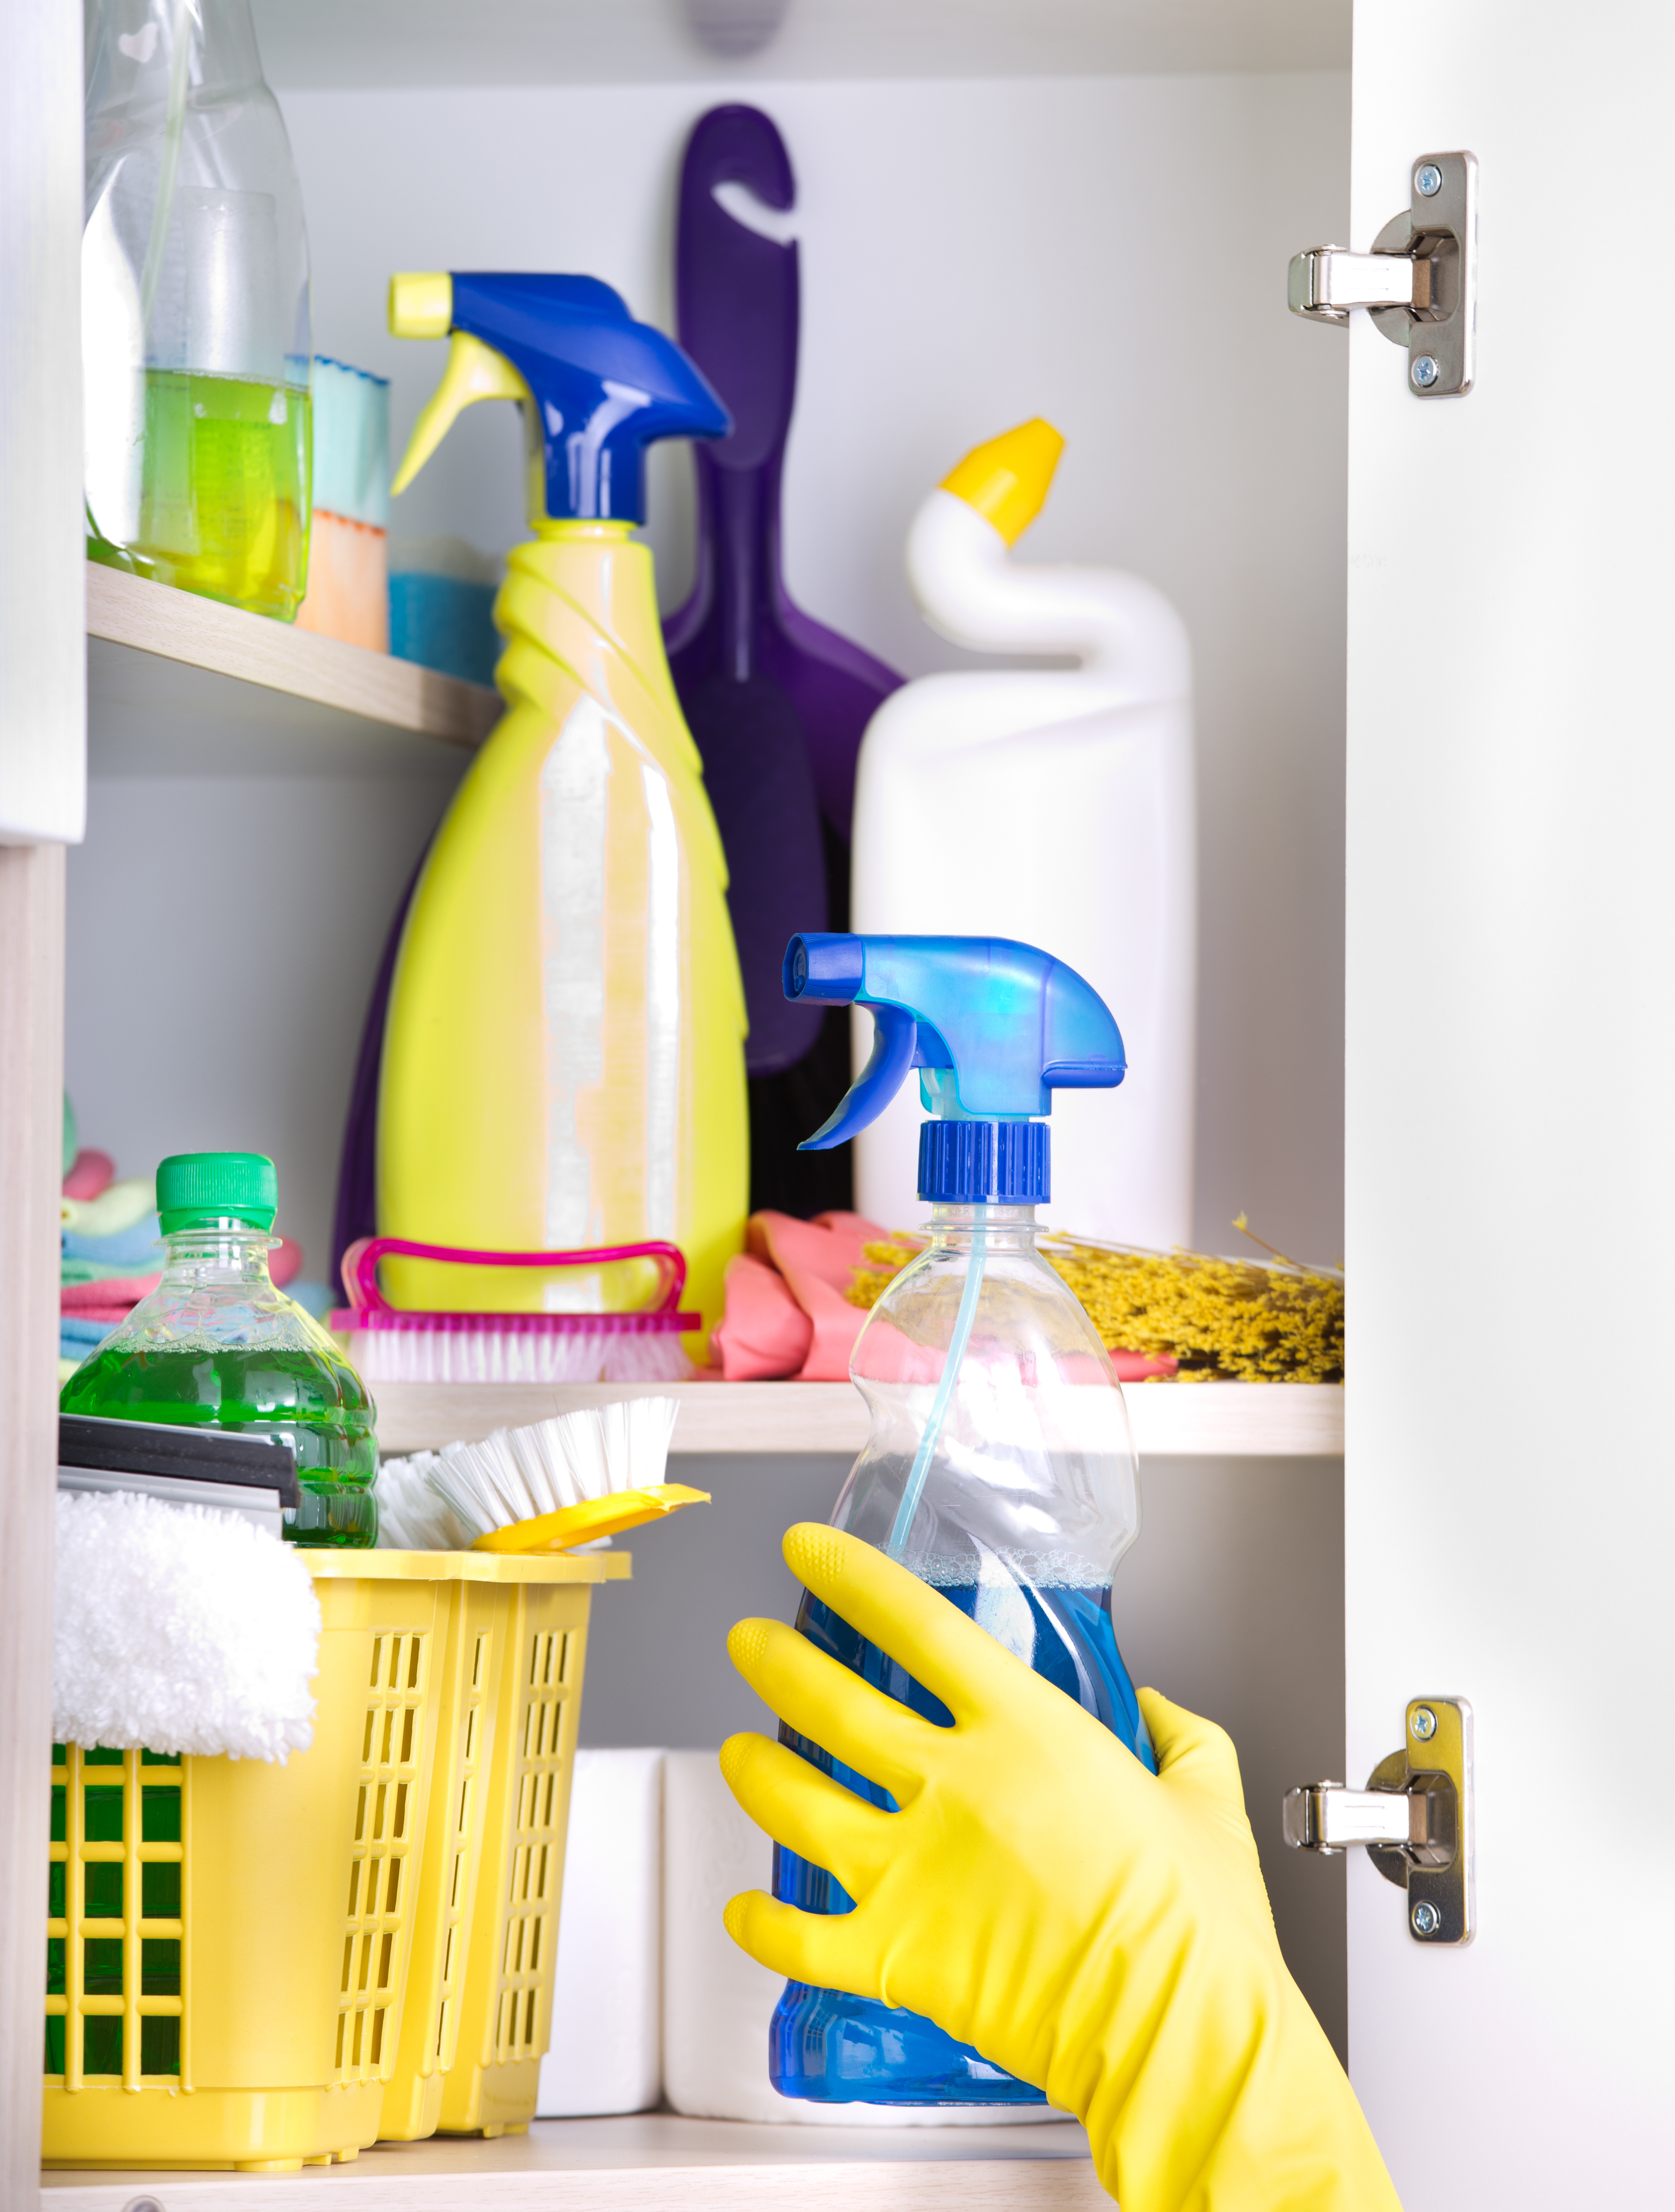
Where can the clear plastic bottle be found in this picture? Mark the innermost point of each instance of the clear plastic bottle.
(999, 1466)
(195, 315)
(216, 1346)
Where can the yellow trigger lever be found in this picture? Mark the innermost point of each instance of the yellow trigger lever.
(421, 307)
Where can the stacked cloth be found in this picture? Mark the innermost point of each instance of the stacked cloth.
(111, 1254)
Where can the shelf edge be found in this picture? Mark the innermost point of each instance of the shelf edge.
(228, 642)
(1201, 1420)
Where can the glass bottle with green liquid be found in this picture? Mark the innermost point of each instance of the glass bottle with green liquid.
(216, 1346)
(194, 321)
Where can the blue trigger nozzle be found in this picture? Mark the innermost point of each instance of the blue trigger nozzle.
(998, 1026)
(604, 386)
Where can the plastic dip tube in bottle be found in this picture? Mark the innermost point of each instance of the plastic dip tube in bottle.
(999, 1468)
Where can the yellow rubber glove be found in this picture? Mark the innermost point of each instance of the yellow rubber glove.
(1098, 1931)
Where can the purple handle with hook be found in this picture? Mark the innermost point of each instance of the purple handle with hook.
(777, 703)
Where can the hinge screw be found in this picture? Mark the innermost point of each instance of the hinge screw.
(1423, 1723)
(1428, 181)
(1426, 1918)
(1425, 371)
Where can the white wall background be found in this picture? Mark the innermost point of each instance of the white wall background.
(1107, 251)
(224, 934)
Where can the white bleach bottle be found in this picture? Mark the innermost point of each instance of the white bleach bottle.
(1050, 805)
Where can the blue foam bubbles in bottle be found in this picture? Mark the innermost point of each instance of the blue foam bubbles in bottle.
(999, 1468)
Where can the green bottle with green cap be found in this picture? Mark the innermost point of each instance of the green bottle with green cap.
(215, 1345)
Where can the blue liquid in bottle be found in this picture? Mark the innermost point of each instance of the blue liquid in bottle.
(828, 2045)
(999, 1468)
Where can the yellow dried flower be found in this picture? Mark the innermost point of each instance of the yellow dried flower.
(1241, 1320)
(1223, 1320)
(892, 1255)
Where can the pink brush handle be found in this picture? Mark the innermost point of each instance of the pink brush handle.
(361, 1258)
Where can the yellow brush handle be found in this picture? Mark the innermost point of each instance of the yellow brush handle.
(595, 1516)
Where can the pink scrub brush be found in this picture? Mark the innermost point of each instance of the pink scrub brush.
(401, 1345)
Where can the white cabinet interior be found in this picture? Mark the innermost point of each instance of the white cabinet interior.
(983, 240)
(1107, 251)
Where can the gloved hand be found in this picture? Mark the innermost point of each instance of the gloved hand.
(1099, 1932)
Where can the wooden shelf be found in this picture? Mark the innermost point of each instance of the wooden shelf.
(182, 685)
(1170, 1420)
(651, 2162)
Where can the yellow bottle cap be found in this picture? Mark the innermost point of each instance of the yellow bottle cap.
(1007, 480)
(421, 307)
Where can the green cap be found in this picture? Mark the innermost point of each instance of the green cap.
(195, 1188)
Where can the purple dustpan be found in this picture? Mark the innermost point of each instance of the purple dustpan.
(777, 703)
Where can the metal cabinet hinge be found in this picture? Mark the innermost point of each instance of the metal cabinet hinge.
(1414, 1818)
(1419, 282)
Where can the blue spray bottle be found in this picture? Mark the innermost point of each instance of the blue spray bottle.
(999, 1468)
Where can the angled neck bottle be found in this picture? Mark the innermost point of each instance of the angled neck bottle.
(563, 1059)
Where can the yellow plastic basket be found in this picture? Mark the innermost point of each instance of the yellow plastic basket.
(229, 1941)
(479, 2010)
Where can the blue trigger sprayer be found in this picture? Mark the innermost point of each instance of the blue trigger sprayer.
(999, 1468)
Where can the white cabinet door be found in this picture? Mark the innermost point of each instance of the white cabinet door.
(1510, 1528)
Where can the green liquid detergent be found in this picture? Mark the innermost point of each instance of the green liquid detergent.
(216, 1346)
(209, 490)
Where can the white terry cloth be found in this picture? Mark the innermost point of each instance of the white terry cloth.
(180, 1628)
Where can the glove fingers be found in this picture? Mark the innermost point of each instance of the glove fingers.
(808, 1812)
(822, 1701)
(824, 1949)
(1192, 1750)
(955, 1660)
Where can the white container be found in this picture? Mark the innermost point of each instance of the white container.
(606, 2051)
(1051, 806)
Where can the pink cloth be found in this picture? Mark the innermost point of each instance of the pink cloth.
(815, 1261)
(116, 1292)
(1142, 1366)
(89, 1174)
(786, 1315)
(835, 1324)
(829, 1249)
(762, 1333)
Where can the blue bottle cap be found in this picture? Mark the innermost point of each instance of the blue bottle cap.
(985, 1163)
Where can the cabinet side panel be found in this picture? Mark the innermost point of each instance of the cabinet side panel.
(43, 657)
(31, 891)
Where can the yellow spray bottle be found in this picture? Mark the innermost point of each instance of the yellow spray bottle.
(563, 1058)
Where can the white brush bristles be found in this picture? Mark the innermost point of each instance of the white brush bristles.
(444, 1501)
(489, 1355)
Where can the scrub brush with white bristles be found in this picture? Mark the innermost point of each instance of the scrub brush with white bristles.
(566, 1481)
(642, 1344)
